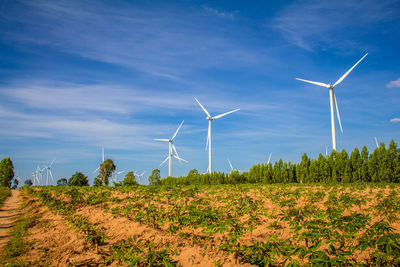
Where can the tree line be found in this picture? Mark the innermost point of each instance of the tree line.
(382, 165)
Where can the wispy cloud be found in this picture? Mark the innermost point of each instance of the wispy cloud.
(395, 120)
(222, 14)
(158, 42)
(319, 24)
(392, 84)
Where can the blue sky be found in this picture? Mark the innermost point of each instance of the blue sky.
(79, 75)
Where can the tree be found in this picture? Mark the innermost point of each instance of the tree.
(62, 182)
(97, 181)
(155, 177)
(28, 182)
(130, 179)
(15, 183)
(106, 170)
(6, 172)
(78, 179)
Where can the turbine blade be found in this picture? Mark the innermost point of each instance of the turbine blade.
(347, 73)
(221, 115)
(53, 161)
(162, 140)
(165, 160)
(180, 159)
(316, 83)
(269, 159)
(96, 170)
(177, 131)
(230, 164)
(173, 147)
(208, 114)
(337, 112)
(51, 176)
(376, 141)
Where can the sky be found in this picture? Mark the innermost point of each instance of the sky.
(76, 76)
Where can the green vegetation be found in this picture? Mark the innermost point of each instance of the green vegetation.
(382, 165)
(129, 179)
(17, 245)
(62, 182)
(106, 170)
(155, 177)
(285, 224)
(78, 179)
(6, 172)
(4, 193)
(28, 182)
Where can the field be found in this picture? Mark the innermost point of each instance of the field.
(226, 225)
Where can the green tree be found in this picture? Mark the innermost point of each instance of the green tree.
(356, 165)
(106, 170)
(6, 172)
(78, 179)
(62, 182)
(129, 179)
(97, 181)
(155, 177)
(28, 182)
(15, 183)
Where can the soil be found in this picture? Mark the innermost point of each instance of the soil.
(8, 214)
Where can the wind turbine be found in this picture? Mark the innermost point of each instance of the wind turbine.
(48, 169)
(232, 169)
(116, 174)
(102, 159)
(140, 176)
(210, 119)
(170, 150)
(333, 100)
(269, 158)
(376, 141)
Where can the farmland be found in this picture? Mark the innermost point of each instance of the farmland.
(244, 225)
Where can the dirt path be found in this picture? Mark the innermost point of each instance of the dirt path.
(8, 213)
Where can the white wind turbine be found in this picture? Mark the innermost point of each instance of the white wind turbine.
(232, 169)
(102, 159)
(171, 149)
(48, 169)
(116, 173)
(140, 176)
(209, 118)
(333, 100)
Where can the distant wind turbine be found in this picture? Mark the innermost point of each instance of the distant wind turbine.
(171, 149)
(333, 100)
(48, 169)
(210, 119)
(232, 169)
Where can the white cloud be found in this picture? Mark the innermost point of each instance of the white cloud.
(222, 14)
(320, 24)
(392, 84)
(395, 120)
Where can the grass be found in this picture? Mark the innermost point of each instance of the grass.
(4, 193)
(17, 245)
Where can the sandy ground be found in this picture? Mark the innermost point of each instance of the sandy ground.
(8, 213)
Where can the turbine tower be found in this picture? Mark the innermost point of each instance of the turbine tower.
(333, 100)
(209, 118)
(171, 149)
(48, 169)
